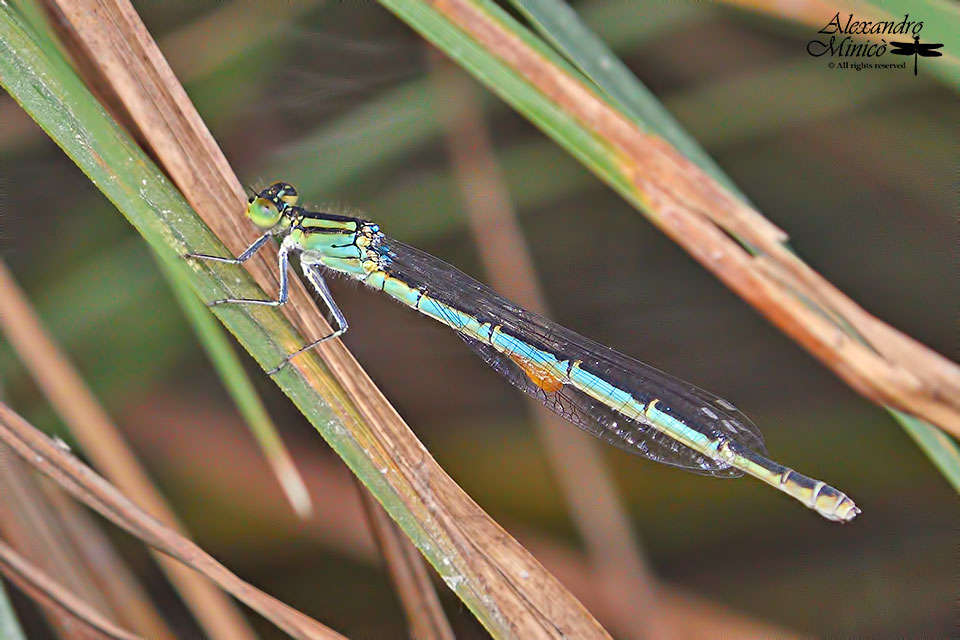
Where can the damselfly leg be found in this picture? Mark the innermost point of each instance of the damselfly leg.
(310, 269)
(243, 257)
(336, 318)
(283, 263)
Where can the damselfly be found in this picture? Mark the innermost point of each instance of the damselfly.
(622, 401)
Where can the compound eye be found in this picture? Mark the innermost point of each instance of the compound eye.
(263, 212)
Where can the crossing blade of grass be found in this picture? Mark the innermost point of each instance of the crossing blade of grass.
(241, 390)
(85, 620)
(110, 571)
(43, 454)
(51, 532)
(692, 208)
(30, 523)
(561, 26)
(505, 587)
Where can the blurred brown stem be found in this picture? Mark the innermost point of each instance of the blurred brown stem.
(109, 570)
(574, 457)
(411, 579)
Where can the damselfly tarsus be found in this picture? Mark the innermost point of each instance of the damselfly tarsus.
(622, 401)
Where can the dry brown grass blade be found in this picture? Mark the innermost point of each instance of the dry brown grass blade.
(28, 525)
(59, 538)
(109, 570)
(501, 582)
(103, 442)
(52, 595)
(196, 50)
(425, 616)
(595, 506)
(44, 455)
(700, 215)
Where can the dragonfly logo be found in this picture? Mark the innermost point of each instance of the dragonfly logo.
(851, 38)
(916, 49)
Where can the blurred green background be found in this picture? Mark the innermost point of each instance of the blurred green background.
(858, 167)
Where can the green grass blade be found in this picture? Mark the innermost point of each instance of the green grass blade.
(9, 625)
(241, 390)
(939, 447)
(56, 99)
(52, 94)
(207, 330)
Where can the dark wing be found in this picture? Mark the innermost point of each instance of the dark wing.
(697, 408)
(926, 50)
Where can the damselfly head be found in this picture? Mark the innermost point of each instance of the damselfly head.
(282, 193)
(266, 208)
